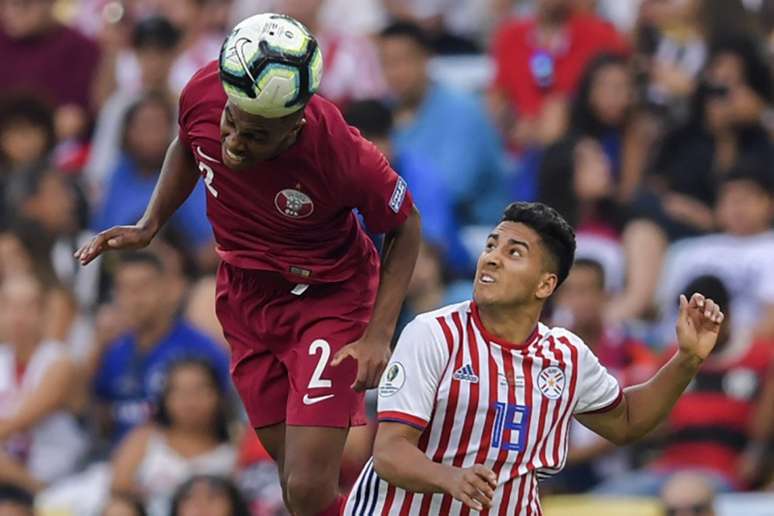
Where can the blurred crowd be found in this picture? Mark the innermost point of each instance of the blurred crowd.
(649, 124)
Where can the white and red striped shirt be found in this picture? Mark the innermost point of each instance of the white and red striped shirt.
(481, 400)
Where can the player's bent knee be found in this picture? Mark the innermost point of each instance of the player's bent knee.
(309, 493)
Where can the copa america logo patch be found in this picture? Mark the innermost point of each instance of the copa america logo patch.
(294, 204)
(551, 382)
(396, 201)
(392, 380)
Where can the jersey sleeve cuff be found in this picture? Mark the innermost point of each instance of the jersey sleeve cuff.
(393, 416)
(607, 408)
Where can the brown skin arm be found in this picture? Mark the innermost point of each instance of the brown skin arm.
(14, 473)
(372, 350)
(644, 406)
(127, 459)
(51, 395)
(176, 182)
(399, 461)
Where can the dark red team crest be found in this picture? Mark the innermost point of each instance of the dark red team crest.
(294, 204)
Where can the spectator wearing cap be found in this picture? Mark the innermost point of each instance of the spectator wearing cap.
(129, 370)
(539, 61)
(449, 128)
(720, 426)
(145, 68)
(740, 253)
(680, 190)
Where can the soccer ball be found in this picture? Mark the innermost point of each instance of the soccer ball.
(270, 65)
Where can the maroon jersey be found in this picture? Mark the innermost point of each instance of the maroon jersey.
(293, 214)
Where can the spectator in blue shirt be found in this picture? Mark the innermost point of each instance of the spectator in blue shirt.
(447, 127)
(439, 223)
(131, 370)
(148, 129)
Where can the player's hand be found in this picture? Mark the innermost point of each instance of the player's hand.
(371, 355)
(117, 237)
(698, 325)
(473, 486)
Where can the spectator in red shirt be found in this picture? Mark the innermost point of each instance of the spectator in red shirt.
(44, 57)
(539, 62)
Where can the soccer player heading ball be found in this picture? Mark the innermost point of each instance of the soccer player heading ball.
(307, 306)
(476, 402)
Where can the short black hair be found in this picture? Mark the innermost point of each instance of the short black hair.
(149, 98)
(557, 235)
(155, 32)
(594, 265)
(709, 286)
(753, 170)
(31, 109)
(13, 494)
(410, 30)
(238, 505)
(756, 69)
(371, 117)
(141, 258)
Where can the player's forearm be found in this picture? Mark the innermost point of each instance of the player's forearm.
(649, 403)
(401, 248)
(403, 465)
(176, 182)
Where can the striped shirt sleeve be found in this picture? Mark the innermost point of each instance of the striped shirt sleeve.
(409, 382)
(598, 390)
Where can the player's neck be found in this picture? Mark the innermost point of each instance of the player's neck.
(512, 324)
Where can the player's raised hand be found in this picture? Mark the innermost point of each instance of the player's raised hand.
(115, 238)
(698, 325)
(371, 355)
(473, 486)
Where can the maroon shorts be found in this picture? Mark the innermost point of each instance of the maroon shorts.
(283, 337)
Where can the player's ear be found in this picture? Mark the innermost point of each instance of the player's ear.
(546, 285)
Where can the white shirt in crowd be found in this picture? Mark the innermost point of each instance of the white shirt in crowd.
(163, 469)
(52, 449)
(742, 263)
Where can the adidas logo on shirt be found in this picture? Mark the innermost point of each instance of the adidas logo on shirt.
(466, 374)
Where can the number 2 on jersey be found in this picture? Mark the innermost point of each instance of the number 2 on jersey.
(514, 418)
(208, 175)
(317, 381)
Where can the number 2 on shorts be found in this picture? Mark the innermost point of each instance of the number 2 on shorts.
(317, 382)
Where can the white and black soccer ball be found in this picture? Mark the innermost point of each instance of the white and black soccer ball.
(270, 65)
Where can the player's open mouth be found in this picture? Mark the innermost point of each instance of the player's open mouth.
(232, 156)
(486, 278)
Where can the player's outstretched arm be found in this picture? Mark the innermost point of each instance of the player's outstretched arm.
(644, 406)
(399, 461)
(175, 184)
